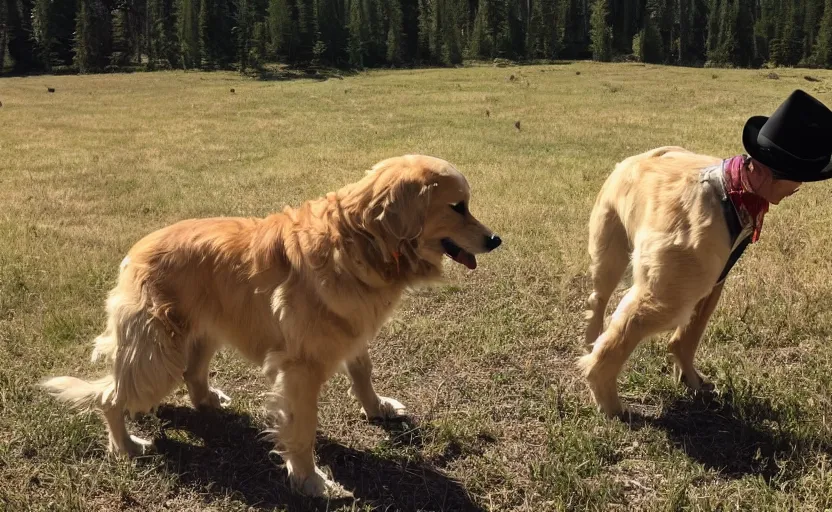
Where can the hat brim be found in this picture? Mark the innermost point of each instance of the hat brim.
(784, 168)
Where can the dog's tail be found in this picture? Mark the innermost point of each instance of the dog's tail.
(80, 394)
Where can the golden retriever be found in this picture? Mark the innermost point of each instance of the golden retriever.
(299, 293)
(653, 209)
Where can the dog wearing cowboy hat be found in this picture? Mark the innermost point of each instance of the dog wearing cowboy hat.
(683, 220)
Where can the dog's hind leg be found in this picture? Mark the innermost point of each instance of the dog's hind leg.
(196, 376)
(147, 366)
(609, 254)
(686, 339)
(669, 282)
(99, 394)
(637, 316)
(121, 442)
(373, 406)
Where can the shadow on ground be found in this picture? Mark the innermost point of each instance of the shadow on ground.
(231, 458)
(311, 73)
(737, 437)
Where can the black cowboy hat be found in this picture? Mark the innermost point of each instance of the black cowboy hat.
(795, 142)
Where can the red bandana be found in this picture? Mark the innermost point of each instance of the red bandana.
(750, 207)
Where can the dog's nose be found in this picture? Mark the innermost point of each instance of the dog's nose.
(492, 242)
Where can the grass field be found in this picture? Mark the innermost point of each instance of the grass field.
(500, 417)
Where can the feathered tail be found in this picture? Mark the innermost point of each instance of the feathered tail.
(80, 394)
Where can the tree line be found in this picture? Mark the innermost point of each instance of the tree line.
(100, 35)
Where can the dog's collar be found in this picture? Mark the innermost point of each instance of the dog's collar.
(396, 255)
(750, 207)
(743, 227)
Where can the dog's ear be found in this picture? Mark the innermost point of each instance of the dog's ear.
(395, 216)
(390, 206)
(402, 210)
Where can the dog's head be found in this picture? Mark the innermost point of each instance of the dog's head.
(416, 209)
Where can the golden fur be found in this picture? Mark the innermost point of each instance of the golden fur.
(653, 210)
(299, 293)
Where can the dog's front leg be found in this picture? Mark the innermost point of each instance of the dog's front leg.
(686, 339)
(294, 405)
(373, 406)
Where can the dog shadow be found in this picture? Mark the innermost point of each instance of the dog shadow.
(734, 438)
(223, 454)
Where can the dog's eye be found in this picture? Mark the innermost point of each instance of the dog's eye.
(459, 207)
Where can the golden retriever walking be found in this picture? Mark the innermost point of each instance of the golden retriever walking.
(653, 210)
(299, 293)
(684, 219)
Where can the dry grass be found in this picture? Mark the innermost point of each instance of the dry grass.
(501, 420)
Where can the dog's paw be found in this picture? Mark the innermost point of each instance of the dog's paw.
(215, 399)
(388, 409)
(140, 446)
(319, 485)
(218, 399)
(133, 447)
(694, 382)
(613, 412)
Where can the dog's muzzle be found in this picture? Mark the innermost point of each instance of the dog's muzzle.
(492, 242)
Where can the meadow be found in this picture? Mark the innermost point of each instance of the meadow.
(500, 418)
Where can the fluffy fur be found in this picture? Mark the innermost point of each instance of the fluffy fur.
(653, 210)
(299, 293)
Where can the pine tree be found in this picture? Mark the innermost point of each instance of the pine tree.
(425, 31)
(375, 42)
(811, 23)
(663, 15)
(206, 42)
(647, 44)
(745, 52)
(188, 30)
(516, 24)
(786, 48)
(280, 29)
(823, 45)
(546, 13)
(244, 31)
(304, 22)
(550, 28)
(435, 38)
(152, 15)
(19, 41)
(712, 43)
(698, 33)
(534, 28)
(448, 30)
(4, 31)
(624, 24)
(93, 38)
(683, 56)
(82, 35)
(358, 35)
(601, 32)
(126, 32)
(42, 27)
(260, 43)
(722, 43)
(395, 39)
(218, 46)
(482, 42)
(62, 31)
(319, 47)
(574, 34)
(163, 48)
(501, 28)
(331, 31)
